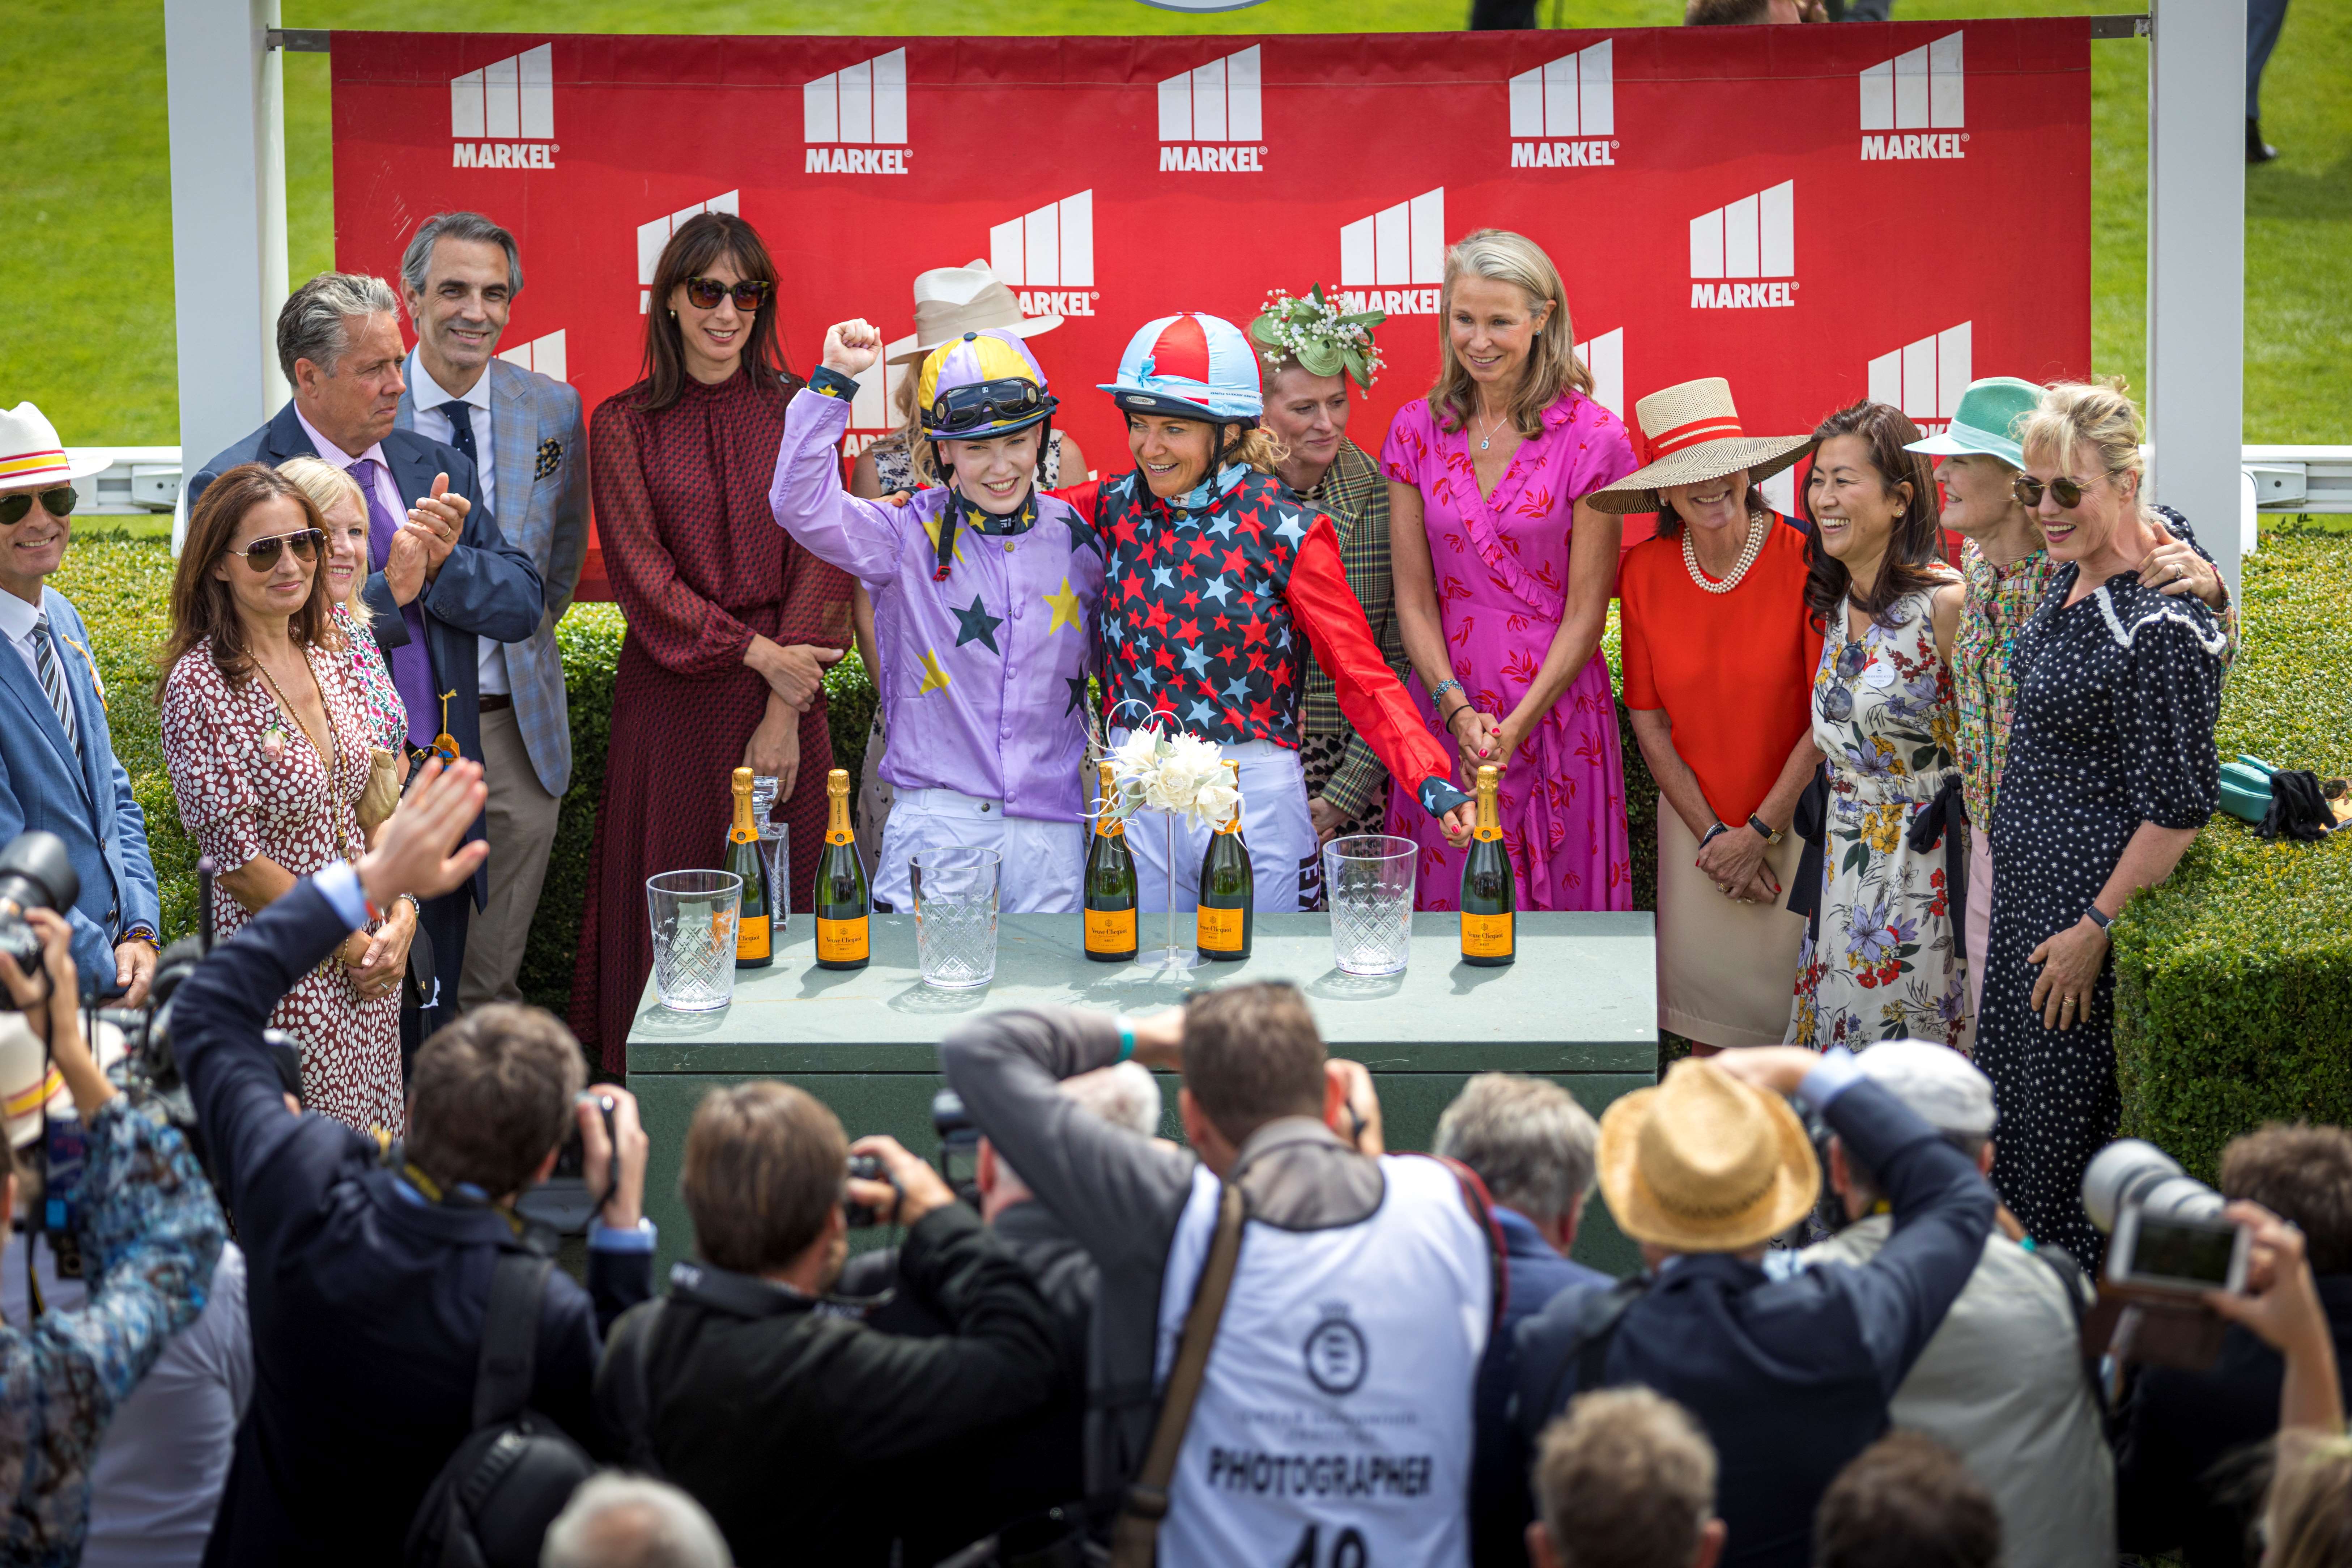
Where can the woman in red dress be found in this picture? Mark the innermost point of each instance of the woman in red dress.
(731, 622)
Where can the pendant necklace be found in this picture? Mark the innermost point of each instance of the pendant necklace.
(1487, 439)
(1748, 554)
(330, 759)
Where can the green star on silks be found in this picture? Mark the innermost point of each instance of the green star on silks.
(977, 623)
(1077, 685)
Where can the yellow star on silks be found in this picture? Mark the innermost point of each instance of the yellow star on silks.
(932, 528)
(934, 678)
(1067, 610)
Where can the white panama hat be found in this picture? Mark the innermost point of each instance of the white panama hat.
(952, 300)
(30, 1081)
(1692, 434)
(31, 456)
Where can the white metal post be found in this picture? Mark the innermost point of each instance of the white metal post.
(228, 216)
(2196, 265)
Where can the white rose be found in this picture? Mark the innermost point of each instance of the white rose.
(1215, 804)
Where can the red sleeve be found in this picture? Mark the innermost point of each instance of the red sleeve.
(1084, 497)
(1634, 644)
(1326, 609)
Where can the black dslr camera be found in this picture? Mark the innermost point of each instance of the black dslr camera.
(35, 873)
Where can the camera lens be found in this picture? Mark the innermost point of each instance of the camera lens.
(2133, 1172)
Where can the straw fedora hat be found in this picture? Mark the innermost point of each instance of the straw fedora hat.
(1692, 434)
(1704, 1162)
(952, 300)
(31, 455)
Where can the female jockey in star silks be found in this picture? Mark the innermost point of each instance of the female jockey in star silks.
(985, 594)
(1217, 581)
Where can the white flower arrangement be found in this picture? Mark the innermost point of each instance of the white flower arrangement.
(1183, 775)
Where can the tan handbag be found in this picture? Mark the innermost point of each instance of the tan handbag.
(381, 796)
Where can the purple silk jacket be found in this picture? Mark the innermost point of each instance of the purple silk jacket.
(983, 677)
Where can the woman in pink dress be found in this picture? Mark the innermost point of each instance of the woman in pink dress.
(1503, 578)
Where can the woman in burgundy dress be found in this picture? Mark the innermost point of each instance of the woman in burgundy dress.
(731, 622)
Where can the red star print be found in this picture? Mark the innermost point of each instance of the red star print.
(1165, 659)
(1235, 564)
(1261, 712)
(1251, 524)
(1257, 659)
(1158, 619)
(1253, 634)
(1202, 547)
(1192, 600)
(1188, 631)
(1223, 624)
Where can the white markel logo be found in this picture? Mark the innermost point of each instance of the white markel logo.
(1925, 379)
(854, 119)
(651, 236)
(1604, 356)
(1217, 102)
(1753, 237)
(1919, 90)
(503, 115)
(1572, 102)
(543, 354)
(1048, 257)
(1383, 254)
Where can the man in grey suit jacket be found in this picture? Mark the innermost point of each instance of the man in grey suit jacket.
(521, 426)
(431, 594)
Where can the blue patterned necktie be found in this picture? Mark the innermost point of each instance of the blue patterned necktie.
(412, 663)
(53, 681)
(460, 415)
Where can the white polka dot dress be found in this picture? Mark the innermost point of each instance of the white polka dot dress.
(2116, 699)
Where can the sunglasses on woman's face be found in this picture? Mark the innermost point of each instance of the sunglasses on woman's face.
(262, 554)
(2028, 491)
(706, 292)
(56, 503)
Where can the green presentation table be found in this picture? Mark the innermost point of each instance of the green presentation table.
(1580, 1006)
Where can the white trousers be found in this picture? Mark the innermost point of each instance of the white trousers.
(1285, 860)
(1040, 864)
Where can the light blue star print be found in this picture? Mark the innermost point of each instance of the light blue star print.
(1196, 660)
(1202, 712)
(1217, 589)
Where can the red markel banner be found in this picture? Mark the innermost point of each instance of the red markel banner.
(1818, 213)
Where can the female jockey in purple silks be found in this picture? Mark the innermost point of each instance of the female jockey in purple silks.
(985, 593)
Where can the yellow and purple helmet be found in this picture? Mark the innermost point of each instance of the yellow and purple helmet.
(980, 386)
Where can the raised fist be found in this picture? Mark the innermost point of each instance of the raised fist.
(851, 347)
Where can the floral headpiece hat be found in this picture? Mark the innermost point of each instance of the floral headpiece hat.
(1309, 331)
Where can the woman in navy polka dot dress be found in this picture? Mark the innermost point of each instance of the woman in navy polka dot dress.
(2111, 772)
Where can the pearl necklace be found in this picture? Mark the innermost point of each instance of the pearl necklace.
(1747, 553)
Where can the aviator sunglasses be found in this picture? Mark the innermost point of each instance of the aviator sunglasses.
(749, 294)
(56, 503)
(2028, 492)
(262, 554)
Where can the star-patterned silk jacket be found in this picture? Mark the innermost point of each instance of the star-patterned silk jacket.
(983, 677)
(1206, 600)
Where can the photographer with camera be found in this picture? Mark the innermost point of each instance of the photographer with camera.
(371, 1268)
(773, 1402)
(150, 1234)
(2185, 1438)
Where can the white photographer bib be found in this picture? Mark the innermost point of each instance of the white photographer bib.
(1334, 1425)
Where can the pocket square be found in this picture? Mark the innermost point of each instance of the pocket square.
(550, 453)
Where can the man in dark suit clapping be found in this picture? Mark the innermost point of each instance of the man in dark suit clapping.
(435, 590)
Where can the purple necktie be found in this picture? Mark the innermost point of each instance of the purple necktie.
(412, 663)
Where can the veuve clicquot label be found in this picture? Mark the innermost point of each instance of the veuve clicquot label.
(1226, 905)
(844, 926)
(754, 941)
(1110, 885)
(1489, 901)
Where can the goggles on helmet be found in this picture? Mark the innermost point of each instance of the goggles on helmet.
(978, 409)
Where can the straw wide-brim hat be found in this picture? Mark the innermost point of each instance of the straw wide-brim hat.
(32, 457)
(1705, 1163)
(952, 300)
(1691, 434)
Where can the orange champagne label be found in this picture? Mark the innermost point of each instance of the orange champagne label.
(839, 835)
(1220, 929)
(841, 940)
(1111, 931)
(1491, 835)
(752, 938)
(1485, 936)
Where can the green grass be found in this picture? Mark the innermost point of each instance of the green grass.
(87, 266)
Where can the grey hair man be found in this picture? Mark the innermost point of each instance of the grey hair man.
(441, 574)
(2002, 1382)
(1532, 1144)
(519, 421)
(633, 1522)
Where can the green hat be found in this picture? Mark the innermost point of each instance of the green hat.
(1309, 331)
(1989, 409)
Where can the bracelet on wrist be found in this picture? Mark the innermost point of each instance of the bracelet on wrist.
(1442, 688)
(1712, 833)
(2099, 918)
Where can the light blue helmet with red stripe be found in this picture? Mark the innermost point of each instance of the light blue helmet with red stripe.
(1192, 366)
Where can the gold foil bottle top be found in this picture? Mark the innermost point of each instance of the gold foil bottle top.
(742, 781)
(836, 783)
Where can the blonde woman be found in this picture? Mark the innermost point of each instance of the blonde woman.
(1504, 570)
(343, 513)
(2111, 772)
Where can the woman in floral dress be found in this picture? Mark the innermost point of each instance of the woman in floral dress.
(1503, 575)
(1883, 959)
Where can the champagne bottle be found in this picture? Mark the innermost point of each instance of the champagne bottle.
(1110, 886)
(843, 905)
(1227, 905)
(1490, 899)
(754, 941)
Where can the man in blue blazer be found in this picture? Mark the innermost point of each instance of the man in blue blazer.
(521, 426)
(433, 593)
(58, 769)
(1790, 1369)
